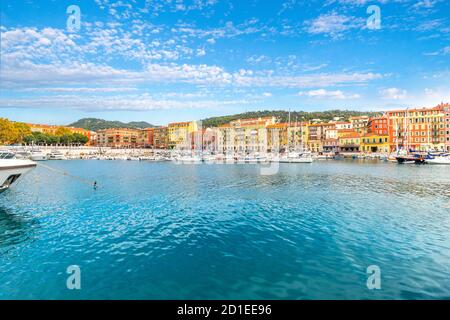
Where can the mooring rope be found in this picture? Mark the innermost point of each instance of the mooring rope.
(65, 173)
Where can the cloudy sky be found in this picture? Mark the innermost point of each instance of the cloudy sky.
(174, 60)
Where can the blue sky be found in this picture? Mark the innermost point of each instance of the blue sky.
(174, 60)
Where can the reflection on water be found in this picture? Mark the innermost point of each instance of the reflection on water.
(14, 229)
(164, 231)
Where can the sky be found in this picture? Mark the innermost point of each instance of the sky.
(163, 61)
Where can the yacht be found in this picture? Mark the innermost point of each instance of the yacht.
(443, 159)
(294, 157)
(56, 155)
(11, 169)
(38, 155)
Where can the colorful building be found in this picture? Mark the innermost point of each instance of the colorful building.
(417, 129)
(317, 136)
(375, 143)
(277, 137)
(244, 135)
(350, 142)
(118, 138)
(146, 138)
(180, 134)
(160, 138)
(360, 124)
(379, 125)
(446, 108)
(298, 134)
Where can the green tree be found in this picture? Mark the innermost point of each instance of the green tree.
(8, 132)
(23, 130)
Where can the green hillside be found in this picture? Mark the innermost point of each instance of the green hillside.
(98, 124)
(283, 116)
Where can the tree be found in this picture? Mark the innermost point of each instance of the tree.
(61, 131)
(8, 132)
(79, 138)
(23, 130)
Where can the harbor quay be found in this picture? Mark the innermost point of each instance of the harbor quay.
(419, 129)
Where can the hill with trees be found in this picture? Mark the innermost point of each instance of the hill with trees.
(283, 116)
(94, 124)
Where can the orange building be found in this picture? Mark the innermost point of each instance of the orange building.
(417, 129)
(146, 138)
(379, 126)
(118, 138)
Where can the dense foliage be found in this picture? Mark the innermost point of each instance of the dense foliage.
(39, 138)
(20, 133)
(13, 132)
(283, 116)
(93, 124)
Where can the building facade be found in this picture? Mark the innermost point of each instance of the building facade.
(146, 138)
(375, 143)
(244, 135)
(350, 142)
(379, 125)
(277, 137)
(446, 108)
(118, 138)
(417, 129)
(360, 124)
(180, 134)
(160, 138)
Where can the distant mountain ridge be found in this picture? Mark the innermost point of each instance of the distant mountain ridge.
(283, 116)
(94, 124)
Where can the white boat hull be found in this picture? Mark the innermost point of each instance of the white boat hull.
(11, 170)
(38, 157)
(445, 160)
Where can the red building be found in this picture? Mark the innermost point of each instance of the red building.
(146, 138)
(379, 126)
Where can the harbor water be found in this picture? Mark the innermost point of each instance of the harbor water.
(211, 231)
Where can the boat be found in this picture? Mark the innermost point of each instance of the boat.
(293, 157)
(439, 160)
(38, 155)
(188, 159)
(56, 155)
(11, 169)
(255, 159)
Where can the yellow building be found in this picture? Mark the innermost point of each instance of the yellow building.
(350, 142)
(277, 137)
(372, 142)
(180, 133)
(298, 136)
(244, 135)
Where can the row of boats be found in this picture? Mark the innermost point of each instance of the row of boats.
(421, 158)
(292, 157)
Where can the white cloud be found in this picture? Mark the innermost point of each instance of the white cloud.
(333, 24)
(113, 103)
(393, 94)
(331, 95)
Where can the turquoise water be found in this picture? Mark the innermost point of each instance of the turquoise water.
(166, 231)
